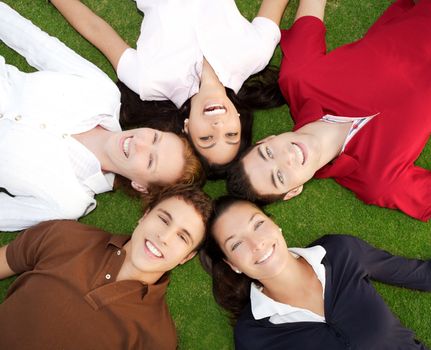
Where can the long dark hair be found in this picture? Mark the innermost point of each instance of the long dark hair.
(231, 290)
(260, 91)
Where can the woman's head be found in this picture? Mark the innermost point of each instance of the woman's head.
(243, 245)
(150, 159)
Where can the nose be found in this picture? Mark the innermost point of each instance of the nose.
(165, 236)
(142, 143)
(257, 243)
(218, 123)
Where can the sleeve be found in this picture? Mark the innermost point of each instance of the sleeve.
(384, 267)
(410, 194)
(20, 212)
(303, 42)
(29, 247)
(269, 35)
(41, 50)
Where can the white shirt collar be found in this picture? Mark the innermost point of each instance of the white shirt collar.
(263, 306)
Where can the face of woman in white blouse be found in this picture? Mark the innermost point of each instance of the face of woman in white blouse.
(252, 243)
(147, 156)
(214, 126)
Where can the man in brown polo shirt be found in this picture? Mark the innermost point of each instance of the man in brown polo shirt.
(83, 288)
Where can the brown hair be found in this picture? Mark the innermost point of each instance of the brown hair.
(231, 290)
(191, 194)
(192, 174)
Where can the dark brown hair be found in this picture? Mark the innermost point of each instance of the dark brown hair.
(231, 290)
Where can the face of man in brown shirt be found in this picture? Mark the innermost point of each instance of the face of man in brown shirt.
(165, 237)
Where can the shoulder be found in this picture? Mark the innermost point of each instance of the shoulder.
(337, 243)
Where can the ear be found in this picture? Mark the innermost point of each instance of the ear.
(186, 126)
(188, 257)
(293, 193)
(265, 139)
(232, 266)
(139, 188)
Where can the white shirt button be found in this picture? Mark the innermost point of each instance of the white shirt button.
(118, 252)
(1, 115)
(108, 276)
(18, 118)
(42, 126)
(64, 136)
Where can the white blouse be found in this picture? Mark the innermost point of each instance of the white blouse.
(175, 37)
(48, 174)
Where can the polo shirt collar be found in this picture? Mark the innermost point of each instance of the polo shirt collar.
(263, 306)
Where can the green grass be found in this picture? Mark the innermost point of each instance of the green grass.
(324, 207)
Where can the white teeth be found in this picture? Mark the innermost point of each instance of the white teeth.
(153, 249)
(215, 109)
(266, 256)
(126, 146)
(299, 153)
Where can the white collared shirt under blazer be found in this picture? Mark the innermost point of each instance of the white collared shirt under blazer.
(46, 173)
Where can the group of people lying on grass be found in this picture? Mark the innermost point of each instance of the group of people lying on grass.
(186, 98)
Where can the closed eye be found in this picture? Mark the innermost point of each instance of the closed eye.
(163, 219)
(183, 237)
(258, 224)
(150, 161)
(235, 245)
(156, 137)
(280, 177)
(231, 134)
(206, 138)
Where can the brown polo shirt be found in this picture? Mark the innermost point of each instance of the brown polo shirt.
(67, 298)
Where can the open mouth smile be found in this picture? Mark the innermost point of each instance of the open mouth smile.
(126, 144)
(301, 155)
(152, 250)
(214, 109)
(266, 256)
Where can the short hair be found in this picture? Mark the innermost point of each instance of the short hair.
(192, 173)
(191, 194)
(239, 185)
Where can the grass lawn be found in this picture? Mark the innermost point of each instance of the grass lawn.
(324, 207)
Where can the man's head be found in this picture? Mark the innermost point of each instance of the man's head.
(170, 232)
(275, 168)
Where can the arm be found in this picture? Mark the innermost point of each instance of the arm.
(41, 50)
(387, 268)
(314, 8)
(273, 10)
(93, 28)
(5, 270)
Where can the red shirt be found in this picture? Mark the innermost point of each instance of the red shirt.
(386, 72)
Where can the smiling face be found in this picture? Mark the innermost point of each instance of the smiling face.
(282, 164)
(147, 156)
(165, 237)
(251, 242)
(214, 127)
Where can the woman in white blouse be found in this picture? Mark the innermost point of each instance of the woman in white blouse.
(196, 51)
(60, 139)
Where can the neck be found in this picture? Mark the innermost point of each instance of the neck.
(209, 79)
(128, 271)
(94, 140)
(330, 136)
(294, 279)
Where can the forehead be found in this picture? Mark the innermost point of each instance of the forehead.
(260, 171)
(172, 157)
(183, 214)
(235, 219)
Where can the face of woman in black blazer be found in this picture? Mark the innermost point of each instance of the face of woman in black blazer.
(252, 243)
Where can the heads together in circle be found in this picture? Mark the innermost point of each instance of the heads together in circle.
(169, 234)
